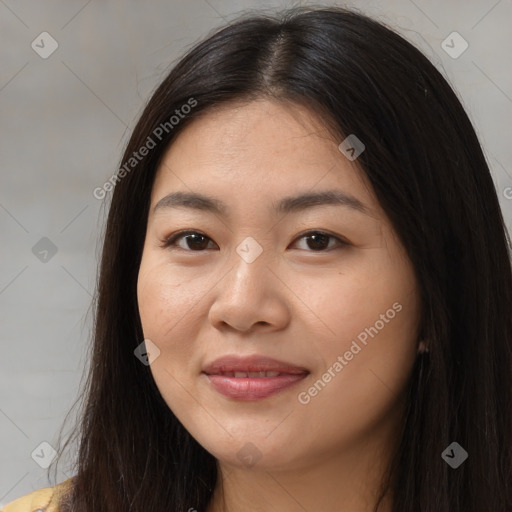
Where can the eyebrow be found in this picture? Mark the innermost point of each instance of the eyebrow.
(285, 205)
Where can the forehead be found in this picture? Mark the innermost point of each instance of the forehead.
(258, 148)
(259, 124)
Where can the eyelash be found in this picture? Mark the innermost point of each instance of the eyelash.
(170, 241)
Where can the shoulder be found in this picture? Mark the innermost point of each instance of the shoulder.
(42, 500)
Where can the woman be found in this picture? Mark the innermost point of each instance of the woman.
(305, 293)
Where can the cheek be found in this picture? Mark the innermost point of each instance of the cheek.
(381, 295)
(166, 295)
(366, 370)
(372, 317)
(166, 308)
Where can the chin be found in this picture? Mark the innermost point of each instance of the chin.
(256, 452)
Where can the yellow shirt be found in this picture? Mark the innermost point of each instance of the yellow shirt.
(42, 500)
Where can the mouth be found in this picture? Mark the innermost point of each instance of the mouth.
(257, 375)
(252, 378)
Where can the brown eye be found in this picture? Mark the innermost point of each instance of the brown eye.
(194, 240)
(318, 241)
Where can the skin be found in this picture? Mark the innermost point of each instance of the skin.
(296, 303)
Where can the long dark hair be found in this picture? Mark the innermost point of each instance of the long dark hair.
(429, 174)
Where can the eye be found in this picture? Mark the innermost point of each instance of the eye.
(196, 241)
(318, 241)
(196, 238)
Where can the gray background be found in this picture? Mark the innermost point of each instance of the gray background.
(64, 122)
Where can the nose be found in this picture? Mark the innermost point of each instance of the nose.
(248, 296)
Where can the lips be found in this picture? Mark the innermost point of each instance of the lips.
(252, 365)
(250, 374)
(252, 378)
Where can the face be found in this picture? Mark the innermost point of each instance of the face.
(319, 284)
